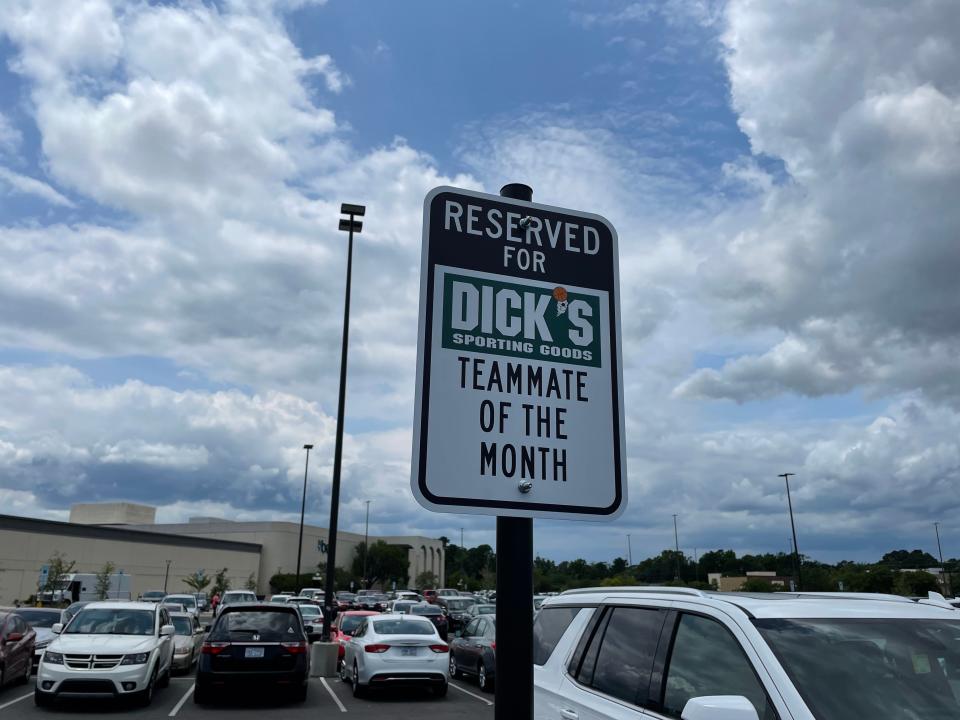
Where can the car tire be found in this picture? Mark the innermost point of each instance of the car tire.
(146, 695)
(441, 690)
(454, 670)
(201, 695)
(40, 699)
(355, 685)
(25, 678)
(342, 671)
(165, 678)
(485, 683)
(300, 694)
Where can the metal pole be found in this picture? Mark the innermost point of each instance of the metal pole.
(366, 544)
(946, 578)
(629, 551)
(328, 606)
(514, 657)
(166, 576)
(793, 528)
(303, 507)
(676, 543)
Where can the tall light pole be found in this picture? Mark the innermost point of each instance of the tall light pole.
(793, 528)
(350, 225)
(946, 577)
(166, 576)
(366, 542)
(303, 508)
(629, 552)
(676, 542)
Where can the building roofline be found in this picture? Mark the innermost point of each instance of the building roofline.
(100, 532)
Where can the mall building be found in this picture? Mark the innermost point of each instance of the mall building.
(152, 553)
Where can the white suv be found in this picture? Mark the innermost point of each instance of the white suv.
(108, 649)
(642, 653)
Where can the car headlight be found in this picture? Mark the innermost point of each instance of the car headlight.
(41, 645)
(53, 658)
(138, 659)
(181, 650)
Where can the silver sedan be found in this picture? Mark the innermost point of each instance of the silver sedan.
(187, 640)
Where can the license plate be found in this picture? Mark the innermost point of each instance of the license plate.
(408, 651)
(253, 652)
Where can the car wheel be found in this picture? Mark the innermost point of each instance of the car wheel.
(300, 694)
(482, 680)
(40, 699)
(25, 678)
(165, 678)
(146, 695)
(454, 670)
(342, 671)
(355, 682)
(201, 696)
(440, 690)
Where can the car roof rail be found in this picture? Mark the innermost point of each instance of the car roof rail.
(654, 589)
(887, 597)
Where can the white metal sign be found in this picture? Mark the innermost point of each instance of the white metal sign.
(519, 402)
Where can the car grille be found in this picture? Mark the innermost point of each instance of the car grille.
(86, 686)
(92, 662)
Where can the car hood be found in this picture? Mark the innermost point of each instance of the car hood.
(182, 641)
(44, 635)
(107, 644)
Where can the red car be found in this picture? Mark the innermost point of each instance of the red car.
(430, 596)
(17, 640)
(346, 623)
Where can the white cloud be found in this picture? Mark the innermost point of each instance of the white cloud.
(17, 183)
(10, 136)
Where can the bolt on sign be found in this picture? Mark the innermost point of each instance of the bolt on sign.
(519, 401)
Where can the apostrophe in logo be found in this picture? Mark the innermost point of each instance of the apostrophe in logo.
(560, 295)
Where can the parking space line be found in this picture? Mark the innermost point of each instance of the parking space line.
(333, 695)
(15, 701)
(176, 708)
(473, 695)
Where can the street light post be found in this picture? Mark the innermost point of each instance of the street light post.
(676, 542)
(366, 543)
(350, 225)
(946, 577)
(793, 528)
(629, 552)
(303, 508)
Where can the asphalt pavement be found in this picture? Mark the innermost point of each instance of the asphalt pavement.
(327, 695)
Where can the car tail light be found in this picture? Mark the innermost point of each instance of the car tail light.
(493, 646)
(376, 648)
(439, 648)
(214, 648)
(294, 648)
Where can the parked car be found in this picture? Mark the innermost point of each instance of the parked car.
(312, 617)
(343, 627)
(251, 646)
(154, 596)
(429, 595)
(187, 639)
(448, 592)
(482, 609)
(434, 613)
(345, 600)
(281, 598)
(315, 594)
(17, 642)
(42, 621)
(407, 595)
(474, 651)
(188, 600)
(233, 597)
(403, 606)
(173, 607)
(678, 652)
(538, 601)
(393, 650)
(458, 611)
(203, 602)
(109, 649)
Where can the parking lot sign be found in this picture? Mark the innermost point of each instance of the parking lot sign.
(519, 400)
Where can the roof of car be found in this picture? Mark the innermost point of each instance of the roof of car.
(120, 605)
(768, 605)
(359, 612)
(397, 616)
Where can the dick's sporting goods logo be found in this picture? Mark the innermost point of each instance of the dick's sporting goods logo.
(520, 321)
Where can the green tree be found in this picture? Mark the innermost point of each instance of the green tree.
(385, 564)
(425, 580)
(251, 583)
(916, 584)
(57, 568)
(103, 580)
(757, 585)
(198, 581)
(221, 583)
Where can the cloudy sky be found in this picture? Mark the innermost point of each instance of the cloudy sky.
(784, 183)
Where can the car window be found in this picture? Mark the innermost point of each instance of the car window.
(626, 652)
(262, 625)
(164, 617)
(706, 659)
(112, 621)
(39, 618)
(182, 626)
(409, 626)
(471, 629)
(548, 628)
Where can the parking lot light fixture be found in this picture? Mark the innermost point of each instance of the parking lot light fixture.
(793, 528)
(303, 508)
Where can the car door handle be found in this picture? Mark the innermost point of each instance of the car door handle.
(568, 715)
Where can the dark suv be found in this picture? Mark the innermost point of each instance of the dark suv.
(253, 646)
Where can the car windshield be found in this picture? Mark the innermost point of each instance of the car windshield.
(187, 601)
(309, 610)
(111, 621)
(349, 623)
(426, 610)
(238, 598)
(72, 610)
(459, 604)
(861, 668)
(486, 610)
(40, 618)
(182, 626)
(154, 595)
(403, 627)
(346, 596)
(257, 625)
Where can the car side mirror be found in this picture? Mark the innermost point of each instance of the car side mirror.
(167, 630)
(56, 628)
(719, 707)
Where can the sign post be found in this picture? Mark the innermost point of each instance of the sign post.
(519, 398)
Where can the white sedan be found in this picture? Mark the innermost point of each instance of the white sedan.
(396, 650)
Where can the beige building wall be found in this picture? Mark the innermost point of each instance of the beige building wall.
(26, 544)
(118, 513)
(278, 541)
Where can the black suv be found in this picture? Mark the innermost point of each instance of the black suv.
(252, 646)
